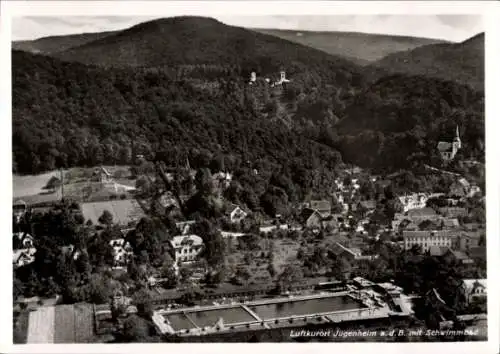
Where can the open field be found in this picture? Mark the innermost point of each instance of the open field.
(77, 184)
(64, 324)
(73, 323)
(80, 174)
(123, 211)
(40, 198)
(41, 325)
(84, 319)
(32, 184)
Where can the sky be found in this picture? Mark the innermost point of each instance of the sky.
(453, 28)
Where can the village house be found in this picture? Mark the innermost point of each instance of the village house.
(474, 191)
(23, 240)
(122, 252)
(71, 251)
(184, 227)
(448, 254)
(323, 207)
(468, 239)
(474, 288)
(330, 222)
(23, 250)
(19, 208)
(253, 77)
(235, 213)
(460, 188)
(351, 253)
(222, 179)
(311, 218)
(453, 212)
(102, 175)
(426, 239)
(282, 79)
(22, 257)
(413, 201)
(186, 248)
(458, 256)
(447, 149)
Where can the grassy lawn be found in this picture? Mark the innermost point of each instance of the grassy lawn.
(31, 185)
(77, 184)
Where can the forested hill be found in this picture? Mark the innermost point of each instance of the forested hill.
(69, 114)
(462, 62)
(198, 40)
(54, 44)
(361, 48)
(399, 120)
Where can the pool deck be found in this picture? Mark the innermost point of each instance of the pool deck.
(368, 310)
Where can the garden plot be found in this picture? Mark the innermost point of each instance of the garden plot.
(41, 326)
(123, 211)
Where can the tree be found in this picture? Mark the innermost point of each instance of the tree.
(106, 218)
(99, 290)
(135, 329)
(203, 182)
(290, 274)
(53, 184)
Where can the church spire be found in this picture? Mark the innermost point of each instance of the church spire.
(456, 142)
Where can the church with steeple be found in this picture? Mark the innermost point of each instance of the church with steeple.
(447, 149)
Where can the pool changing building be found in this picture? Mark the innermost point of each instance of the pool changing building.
(353, 305)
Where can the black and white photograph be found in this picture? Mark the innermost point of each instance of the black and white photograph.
(249, 178)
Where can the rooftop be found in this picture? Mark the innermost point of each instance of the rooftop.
(321, 205)
(178, 241)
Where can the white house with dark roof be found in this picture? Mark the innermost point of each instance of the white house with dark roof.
(25, 239)
(235, 213)
(22, 257)
(122, 252)
(474, 288)
(25, 252)
(185, 226)
(186, 248)
(102, 174)
(413, 201)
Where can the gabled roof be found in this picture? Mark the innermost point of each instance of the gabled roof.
(105, 171)
(178, 241)
(464, 182)
(437, 251)
(321, 205)
(473, 283)
(307, 213)
(232, 207)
